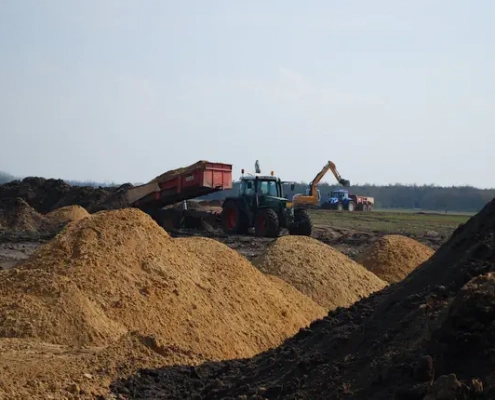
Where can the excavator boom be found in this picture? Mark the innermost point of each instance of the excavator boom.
(319, 176)
(312, 198)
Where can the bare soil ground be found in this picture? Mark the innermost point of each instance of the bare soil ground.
(349, 233)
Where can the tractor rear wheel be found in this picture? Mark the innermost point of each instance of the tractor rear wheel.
(350, 206)
(232, 219)
(266, 223)
(302, 225)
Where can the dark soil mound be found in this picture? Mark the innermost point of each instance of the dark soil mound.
(427, 337)
(46, 195)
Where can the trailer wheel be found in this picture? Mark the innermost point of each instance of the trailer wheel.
(232, 219)
(365, 207)
(302, 225)
(266, 223)
(350, 206)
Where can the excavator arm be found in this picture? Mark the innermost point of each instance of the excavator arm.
(319, 176)
(312, 198)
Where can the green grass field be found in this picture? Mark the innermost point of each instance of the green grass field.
(411, 223)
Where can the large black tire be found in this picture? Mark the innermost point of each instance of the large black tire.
(266, 223)
(302, 225)
(350, 206)
(232, 219)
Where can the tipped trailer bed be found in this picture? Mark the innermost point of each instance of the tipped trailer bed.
(179, 185)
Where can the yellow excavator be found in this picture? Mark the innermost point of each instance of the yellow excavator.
(312, 197)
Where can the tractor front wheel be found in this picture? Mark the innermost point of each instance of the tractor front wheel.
(266, 223)
(302, 225)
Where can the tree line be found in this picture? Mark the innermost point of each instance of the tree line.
(397, 196)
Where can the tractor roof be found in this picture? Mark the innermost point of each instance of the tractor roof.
(260, 177)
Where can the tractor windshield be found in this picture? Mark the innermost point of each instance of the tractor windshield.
(338, 195)
(268, 188)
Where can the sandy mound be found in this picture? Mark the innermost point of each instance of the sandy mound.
(393, 257)
(67, 214)
(118, 271)
(30, 369)
(16, 214)
(286, 308)
(327, 276)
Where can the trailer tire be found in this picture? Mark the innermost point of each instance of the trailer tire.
(232, 219)
(266, 223)
(302, 225)
(365, 208)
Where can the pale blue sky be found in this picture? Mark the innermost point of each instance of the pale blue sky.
(391, 91)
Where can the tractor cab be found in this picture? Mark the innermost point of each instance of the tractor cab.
(339, 196)
(260, 185)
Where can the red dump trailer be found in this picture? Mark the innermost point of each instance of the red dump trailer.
(363, 203)
(175, 186)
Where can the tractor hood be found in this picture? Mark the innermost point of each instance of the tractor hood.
(265, 200)
(333, 200)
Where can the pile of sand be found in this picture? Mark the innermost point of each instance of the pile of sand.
(118, 272)
(327, 276)
(67, 214)
(30, 369)
(393, 257)
(17, 215)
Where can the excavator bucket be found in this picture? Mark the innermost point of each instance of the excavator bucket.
(345, 182)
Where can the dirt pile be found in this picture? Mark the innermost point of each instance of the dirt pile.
(179, 171)
(67, 214)
(17, 215)
(327, 276)
(46, 195)
(30, 369)
(117, 272)
(430, 333)
(393, 257)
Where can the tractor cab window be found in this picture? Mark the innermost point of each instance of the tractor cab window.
(339, 195)
(268, 188)
(247, 188)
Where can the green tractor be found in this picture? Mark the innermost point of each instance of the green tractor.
(261, 204)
